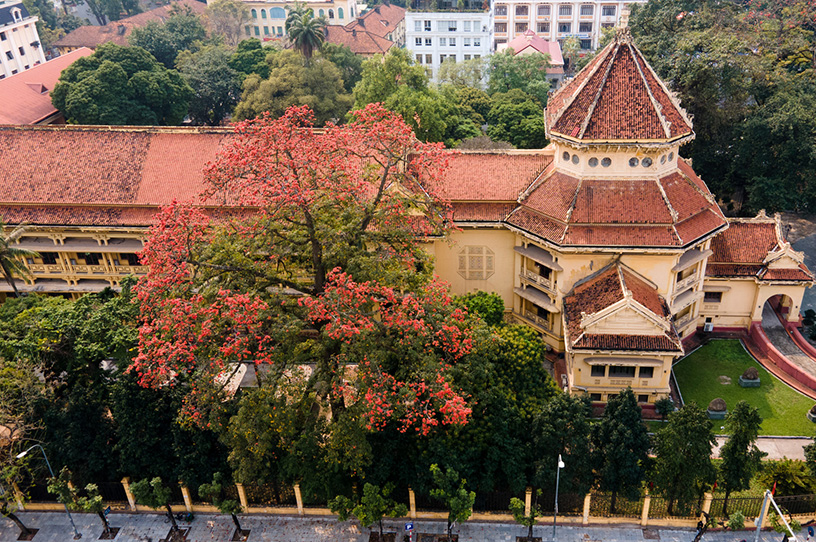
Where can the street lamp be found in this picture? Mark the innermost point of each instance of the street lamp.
(77, 534)
(557, 480)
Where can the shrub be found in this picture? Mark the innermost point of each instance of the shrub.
(489, 306)
(736, 521)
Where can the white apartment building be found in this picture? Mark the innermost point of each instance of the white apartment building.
(20, 47)
(433, 36)
(556, 21)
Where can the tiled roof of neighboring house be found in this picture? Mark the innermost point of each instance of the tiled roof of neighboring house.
(617, 97)
(25, 97)
(360, 41)
(671, 211)
(118, 31)
(382, 20)
(101, 175)
(602, 290)
(529, 42)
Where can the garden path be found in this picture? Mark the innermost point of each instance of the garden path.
(781, 340)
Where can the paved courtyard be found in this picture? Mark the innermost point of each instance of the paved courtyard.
(54, 527)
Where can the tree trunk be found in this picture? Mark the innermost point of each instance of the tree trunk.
(725, 502)
(381, 531)
(613, 502)
(23, 529)
(450, 530)
(104, 521)
(172, 517)
(530, 528)
(235, 521)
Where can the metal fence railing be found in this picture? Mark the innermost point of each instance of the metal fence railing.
(600, 505)
(749, 506)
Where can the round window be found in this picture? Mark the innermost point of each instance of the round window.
(671, 156)
(606, 162)
(647, 162)
(663, 159)
(633, 162)
(593, 162)
(575, 159)
(565, 156)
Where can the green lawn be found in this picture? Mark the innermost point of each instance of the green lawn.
(782, 408)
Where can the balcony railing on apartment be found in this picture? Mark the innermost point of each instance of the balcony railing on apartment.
(686, 282)
(534, 277)
(537, 320)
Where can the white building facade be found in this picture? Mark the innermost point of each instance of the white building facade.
(20, 47)
(556, 21)
(434, 36)
(267, 19)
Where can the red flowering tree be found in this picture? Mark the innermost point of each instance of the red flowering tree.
(312, 258)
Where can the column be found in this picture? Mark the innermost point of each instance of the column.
(242, 496)
(528, 501)
(587, 503)
(188, 501)
(299, 499)
(412, 503)
(644, 515)
(130, 498)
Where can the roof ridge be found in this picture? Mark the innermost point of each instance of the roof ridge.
(539, 179)
(568, 218)
(594, 103)
(657, 107)
(670, 93)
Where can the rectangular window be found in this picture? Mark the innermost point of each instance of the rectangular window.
(443, 42)
(607, 25)
(427, 26)
(587, 10)
(543, 27)
(595, 397)
(643, 398)
(132, 259)
(598, 370)
(49, 258)
(428, 42)
(442, 58)
(621, 371)
(501, 27)
(712, 297)
(22, 51)
(26, 67)
(452, 57)
(477, 56)
(565, 11)
(418, 42)
(451, 26)
(646, 372)
(585, 28)
(564, 27)
(417, 26)
(586, 44)
(257, 31)
(466, 42)
(522, 11)
(452, 42)
(9, 55)
(442, 26)
(419, 59)
(467, 57)
(543, 11)
(466, 26)
(501, 11)
(92, 258)
(3, 36)
(477, 42)
(609, 11)
(521, 27)
(428, 59)
(266, 31)
(280, 31)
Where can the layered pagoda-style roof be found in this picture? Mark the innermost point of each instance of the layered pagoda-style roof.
(617, 292)
(617, 98)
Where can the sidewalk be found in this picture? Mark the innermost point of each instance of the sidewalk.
(54, 527)
(776, 447)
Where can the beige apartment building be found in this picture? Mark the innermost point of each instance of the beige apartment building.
(606, 242)
(267, 18)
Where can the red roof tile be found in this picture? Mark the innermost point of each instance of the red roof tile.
(537, 224)
(25, 98)
(481, 212)
(554, 195)
(477, 176)
(745, 242)
(360, 41)
(381, 20)
(621, 236)
(800, 274)
(732, 270)
(530, 41)
(618, 99)
(620, 202)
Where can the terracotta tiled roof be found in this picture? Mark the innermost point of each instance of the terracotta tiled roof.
(481, 212)
(671, 211)
(25, 98)
(603, 290)
(118, 31)
(489, 176)
(732, 270)
(530, 41)
(381, 20)
(360, 41)
(617, 97)
(800, 274)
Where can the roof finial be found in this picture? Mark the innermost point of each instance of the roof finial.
(624, 18)
(622, 34)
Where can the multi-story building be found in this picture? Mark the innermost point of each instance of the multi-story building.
(267, 18)
(434, 36)
(20, 47)
(556, 21)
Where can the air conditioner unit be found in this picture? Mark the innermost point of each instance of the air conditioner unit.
(563, 381)
(708, 327)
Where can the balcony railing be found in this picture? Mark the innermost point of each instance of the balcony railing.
(37, 268)
(684, 321)
(131, 269)
(537, 320)
(686, 282)
(537, 279)
(91, 269)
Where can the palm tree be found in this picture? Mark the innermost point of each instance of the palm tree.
(9, 264)
(305, 31)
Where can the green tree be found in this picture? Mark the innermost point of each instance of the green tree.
(384, 76)
(741, 459)
(468, 73)
(788, 476)
(227, 18)
(167, 39)
(571, 49)
(474, 103)
(375, 504)
(91, 502)
(318, 85)
(121, 85)
(349, 63)
(683, 467)
(215, 492)
(451, 492)
(527, 73)
(306, 32)
(154, 494)
(517, 507)
(250, 57)
(216, 86)
(516, 118)
(489, 306)
(620, 447)
(664, 407)
(11, 264)
(562, 427)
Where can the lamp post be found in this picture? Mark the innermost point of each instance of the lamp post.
(557, 480)
(77, 534)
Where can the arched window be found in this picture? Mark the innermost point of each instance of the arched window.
(339, 13)
(277, 13)
(321, 13)
(254, 14)
(331, 14)
(17, 15)
(263, 14)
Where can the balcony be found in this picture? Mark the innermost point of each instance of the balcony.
(90, 269)
(537, 320)
(537, 279)
(685, 299)
(683, 322)
(39, 268)
(130, 269)
(687, 282)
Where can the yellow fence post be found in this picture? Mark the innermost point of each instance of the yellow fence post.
(528, 501)
(18, 495)
(242, 496)
(131, 500)
(188, 500)
(644, 514)
(299, 499)
(412, 503)
(587, 503)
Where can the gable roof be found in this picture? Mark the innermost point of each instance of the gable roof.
(529, 41)
(360, 41)
(25, 97)
(617, 97)
(118, 31)
(380, 21)
(612, 285)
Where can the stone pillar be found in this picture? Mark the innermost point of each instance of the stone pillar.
(644, 514)
(528, 501)
(587, 502)
(707, 498)
(764, 513)
(18, 496)
(412, 503)
(299, 499)
(188, 500)
(242, 496)
(131, 500)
